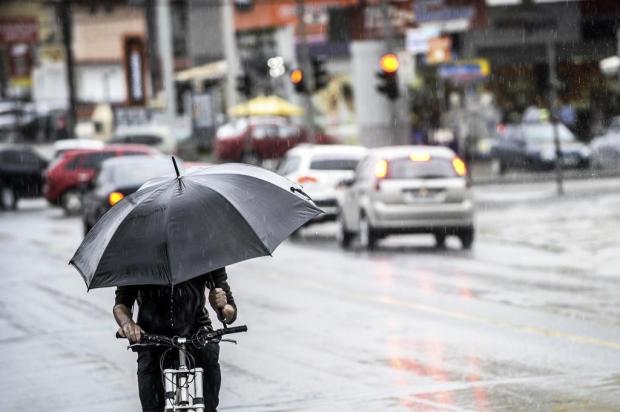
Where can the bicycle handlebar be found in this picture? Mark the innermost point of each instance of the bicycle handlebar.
(203, 335)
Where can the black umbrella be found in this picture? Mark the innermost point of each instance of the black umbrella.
(176, 228)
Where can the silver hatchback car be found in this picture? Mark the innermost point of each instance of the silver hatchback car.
(407, 189)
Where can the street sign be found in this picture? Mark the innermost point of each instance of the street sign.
(417, 39)
(466, 70)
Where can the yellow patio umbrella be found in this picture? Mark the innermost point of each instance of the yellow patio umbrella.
(266, 106)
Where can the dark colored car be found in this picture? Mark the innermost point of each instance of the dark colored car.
(21, 174)
(530, 145)
(117, 178)
(67, 177)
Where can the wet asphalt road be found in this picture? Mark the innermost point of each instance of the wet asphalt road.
(528, 320)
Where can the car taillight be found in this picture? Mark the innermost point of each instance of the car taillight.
(382, 170)
(459, 166)
(307, 179)
(115, 197)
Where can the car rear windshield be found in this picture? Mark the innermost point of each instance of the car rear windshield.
(139, 173)
(437, 167)
(333, 163)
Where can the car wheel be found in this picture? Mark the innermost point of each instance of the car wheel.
(8, 198)
(467, 238)
(343, 236)
(71, 202)
(367, 236)
(440, 240)
(498, 167)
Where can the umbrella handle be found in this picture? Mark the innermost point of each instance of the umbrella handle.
(211, 286)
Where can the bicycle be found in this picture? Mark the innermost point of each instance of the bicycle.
(183, 386)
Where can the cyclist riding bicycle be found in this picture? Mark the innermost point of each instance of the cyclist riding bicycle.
(175, 311)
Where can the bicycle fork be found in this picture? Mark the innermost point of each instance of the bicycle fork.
(183, 386)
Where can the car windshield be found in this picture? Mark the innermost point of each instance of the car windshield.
(436, 167)
(135, 174)
(545, 133)
(333, 162)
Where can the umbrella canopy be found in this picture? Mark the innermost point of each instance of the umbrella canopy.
(176, 228)
(266, 106)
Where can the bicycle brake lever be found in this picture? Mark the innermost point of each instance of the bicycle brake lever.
(229, 341)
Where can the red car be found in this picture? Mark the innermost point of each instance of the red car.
(66, 178)
(260, 138)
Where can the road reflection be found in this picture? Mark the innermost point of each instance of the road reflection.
(426, 358)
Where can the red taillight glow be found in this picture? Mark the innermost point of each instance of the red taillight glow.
(381, 169)
(459, 166)
(420, 157)
(307, 179)
(115, 197)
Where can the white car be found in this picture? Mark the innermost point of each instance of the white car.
(407, 189)
(159, 137)
(320, 169)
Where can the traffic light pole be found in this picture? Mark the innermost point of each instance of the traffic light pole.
(307, 70)
(388, 36)
(559, 173)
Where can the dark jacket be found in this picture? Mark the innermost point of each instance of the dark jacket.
(179, 310)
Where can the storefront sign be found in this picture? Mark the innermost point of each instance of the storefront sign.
(465, 70)
(134, 70)
(18, 30)
(439, 50)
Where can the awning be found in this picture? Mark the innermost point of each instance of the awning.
(266, 106)
(211, 71)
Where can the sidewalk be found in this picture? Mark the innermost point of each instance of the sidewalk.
(498, 195)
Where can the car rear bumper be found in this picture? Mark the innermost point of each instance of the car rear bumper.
(409, 217)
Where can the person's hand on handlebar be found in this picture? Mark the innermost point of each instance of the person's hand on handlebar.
(131, 331)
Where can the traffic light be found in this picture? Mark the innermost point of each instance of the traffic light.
(298, 80)
(388, 79)
(321, 77)
(244, 85)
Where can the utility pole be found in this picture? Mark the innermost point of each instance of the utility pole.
(307, 69)
(230, 51)
(66, 21)
(553, 84)
(164, 39)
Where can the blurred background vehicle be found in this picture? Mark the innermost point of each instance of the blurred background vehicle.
(120, 177)
(61, 146)
(407, 189)
(255, 139)
(17, 119)
(67, 177)
(530, 145)
(159, 137)
(319, 169)
(21, 174)
(606, 148)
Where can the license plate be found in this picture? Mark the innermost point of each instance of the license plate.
(423, 195)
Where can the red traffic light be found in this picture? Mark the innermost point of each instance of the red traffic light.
(389, 63)
(297, 76)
